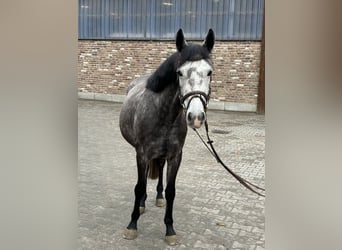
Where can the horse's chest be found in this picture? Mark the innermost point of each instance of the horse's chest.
(164, 141)
(169, 137)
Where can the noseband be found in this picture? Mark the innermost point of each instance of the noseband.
(204, 98)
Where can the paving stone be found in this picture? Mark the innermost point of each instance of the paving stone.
(206, 193)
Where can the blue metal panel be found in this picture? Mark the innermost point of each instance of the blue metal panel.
(260, 17)
(160, 19)
(248, 33)
(242, 17)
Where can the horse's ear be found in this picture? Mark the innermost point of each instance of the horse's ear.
(180, 40)
(209, 40)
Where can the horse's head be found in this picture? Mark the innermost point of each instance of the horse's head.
(194, 75)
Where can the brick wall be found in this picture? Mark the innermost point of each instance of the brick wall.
(109, 66)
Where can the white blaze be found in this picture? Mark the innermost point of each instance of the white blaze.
(194, 76)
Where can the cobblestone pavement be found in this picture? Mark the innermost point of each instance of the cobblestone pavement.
(211, 210)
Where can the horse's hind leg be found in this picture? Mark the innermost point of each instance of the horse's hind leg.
(170, 192)
(142, 203)
(143, 199)
(160, 202)
(139, 190)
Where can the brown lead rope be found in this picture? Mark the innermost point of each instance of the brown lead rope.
(243, 181)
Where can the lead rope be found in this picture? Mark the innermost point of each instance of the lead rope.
(243, 181)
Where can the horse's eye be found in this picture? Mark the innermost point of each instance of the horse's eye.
(209, 73)
(179, 73)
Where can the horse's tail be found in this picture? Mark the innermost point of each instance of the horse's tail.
(153, 169)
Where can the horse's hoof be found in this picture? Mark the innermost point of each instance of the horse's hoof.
(130, 234)
(160, 202)
(142, 210)
(171, 240)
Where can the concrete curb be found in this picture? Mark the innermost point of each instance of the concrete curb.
(213, 105)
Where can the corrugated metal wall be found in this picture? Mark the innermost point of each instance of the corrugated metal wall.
(160, 19)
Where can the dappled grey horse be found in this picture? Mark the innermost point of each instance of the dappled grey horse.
(154, 119)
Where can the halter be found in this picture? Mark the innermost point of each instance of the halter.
(204, 98)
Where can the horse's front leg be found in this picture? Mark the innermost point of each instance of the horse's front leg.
(139, 191)
(170, 192)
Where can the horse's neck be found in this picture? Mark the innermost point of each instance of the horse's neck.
(169, 101)
(170, 96)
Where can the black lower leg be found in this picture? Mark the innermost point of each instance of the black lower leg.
(139, 191)
(170, 192)
(168, 220)
(143, 199)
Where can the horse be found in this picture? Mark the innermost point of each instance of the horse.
(155, 116)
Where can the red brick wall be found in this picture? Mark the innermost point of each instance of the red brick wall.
(109, 66)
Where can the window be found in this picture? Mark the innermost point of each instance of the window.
(160, 19)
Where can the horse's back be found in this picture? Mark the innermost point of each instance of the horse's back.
(140, 81)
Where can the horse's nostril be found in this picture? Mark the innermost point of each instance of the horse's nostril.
(201, 116)
(189, 116)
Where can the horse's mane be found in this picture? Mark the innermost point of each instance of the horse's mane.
(166, 73)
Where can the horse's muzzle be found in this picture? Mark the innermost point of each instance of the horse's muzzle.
(195, 108)
(195, 121)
